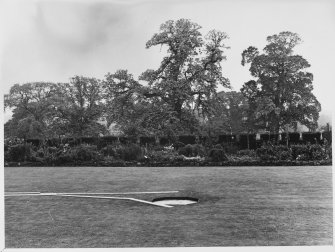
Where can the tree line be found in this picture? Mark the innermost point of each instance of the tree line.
(179, 97)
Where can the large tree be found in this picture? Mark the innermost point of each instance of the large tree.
(79, 107)
(32, 105)
(283, 87)
(190, 73)
(121, 96)
(46, 110)
(134, 113)
(251, 119)
(184, 85)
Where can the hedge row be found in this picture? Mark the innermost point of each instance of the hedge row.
(196, 153)
(118, 163)
(239, 141)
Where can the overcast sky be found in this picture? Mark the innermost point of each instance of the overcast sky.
(55, 40)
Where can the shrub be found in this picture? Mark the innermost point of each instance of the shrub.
(18, 153)
(46, 155)
(302, 157)
(217, 155)
(85, 153)
(328, 151)
(186, 150)
(284, 155)
(266, 153)
(192, 150)
(309, 152)
(272, 153)
(249, 153)
(317, 152)
(108, 159)
(242, 158)
(230, 148)
(129, 153)
(158, 148)
(109, 150)
(79, 153)
(282, 152)
(165, 156)
(199, 150)
(300, 150)
(280, 148)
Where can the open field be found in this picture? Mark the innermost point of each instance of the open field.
(239, 206)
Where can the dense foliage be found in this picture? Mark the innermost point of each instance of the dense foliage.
(118, 154)
(282, 90)
(178, 98)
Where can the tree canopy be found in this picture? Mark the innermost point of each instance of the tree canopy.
(45, 110)
(191, 71)
(282, 87)
(79, 107)
(178, 97)
(32, 105)
(185, 81)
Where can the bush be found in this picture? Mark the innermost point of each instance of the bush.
(217, 155)
(280, 148)
(282, 152)
(230, 148)
(328, 151)
(309, 152)
(130, 152)
(165, 156)
(109, 150)
(296, 152)
(186, 151)
(79, 153)
(192, 150)
(85, 153)
(242, 158)
(272, 153)
(199, 150)
(265, 153)
(18, 153)
(249, 153)
(158, 148)
(299, 150)
(284, 155)
(46, 155)
(317, 152)
(302, 157)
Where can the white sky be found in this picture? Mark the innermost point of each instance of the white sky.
(55, 40)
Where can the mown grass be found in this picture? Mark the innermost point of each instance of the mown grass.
(239, 206)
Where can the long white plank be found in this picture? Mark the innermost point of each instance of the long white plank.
(120, 198)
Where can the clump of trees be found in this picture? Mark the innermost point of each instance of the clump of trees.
(281, 93)
(179, 97)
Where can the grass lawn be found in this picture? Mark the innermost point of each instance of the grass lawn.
(239, 206)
